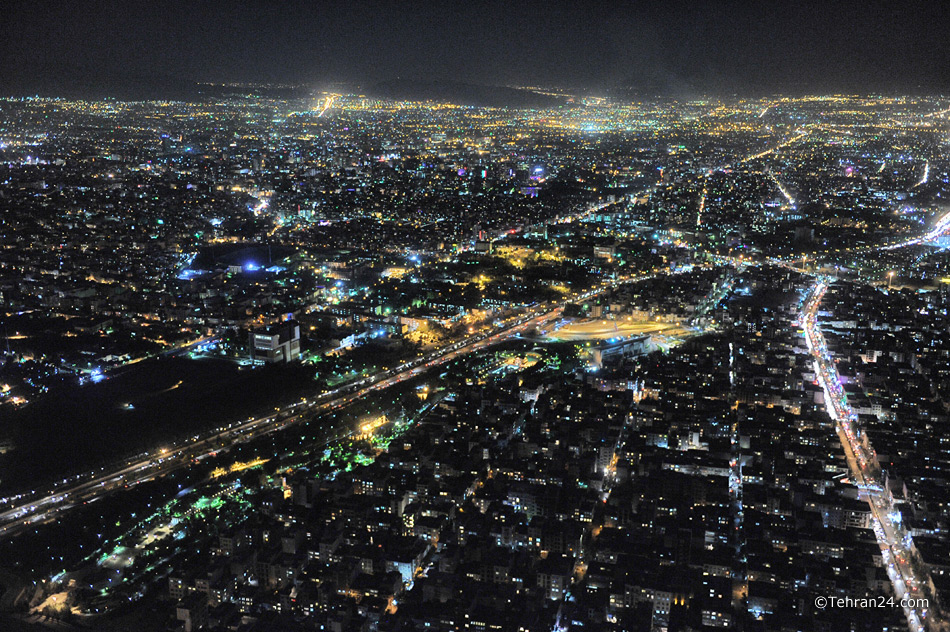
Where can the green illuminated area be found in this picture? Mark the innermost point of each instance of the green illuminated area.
(140, 549)
(145, 549)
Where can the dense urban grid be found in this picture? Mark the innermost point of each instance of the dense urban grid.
(345, 363)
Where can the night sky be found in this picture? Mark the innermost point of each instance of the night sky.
(677, 47)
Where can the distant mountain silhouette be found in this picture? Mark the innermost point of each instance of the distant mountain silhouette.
(220, 90)
(461, 94)
(86, 82)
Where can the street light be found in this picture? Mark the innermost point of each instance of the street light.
(890, 277)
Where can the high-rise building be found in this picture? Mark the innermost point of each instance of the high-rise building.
(277, 343)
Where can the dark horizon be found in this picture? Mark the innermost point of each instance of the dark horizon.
(677, 49)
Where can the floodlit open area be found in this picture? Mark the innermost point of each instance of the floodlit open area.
(614, 330)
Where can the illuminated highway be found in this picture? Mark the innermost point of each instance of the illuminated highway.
(941, 226)
(33, 512)
(901, 557)
(39, 510)
(800, 133)
(924, 178)
(781, 188)
(327, 104)
(702, 206)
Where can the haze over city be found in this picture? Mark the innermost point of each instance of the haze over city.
(669, 48)
(385, 317)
